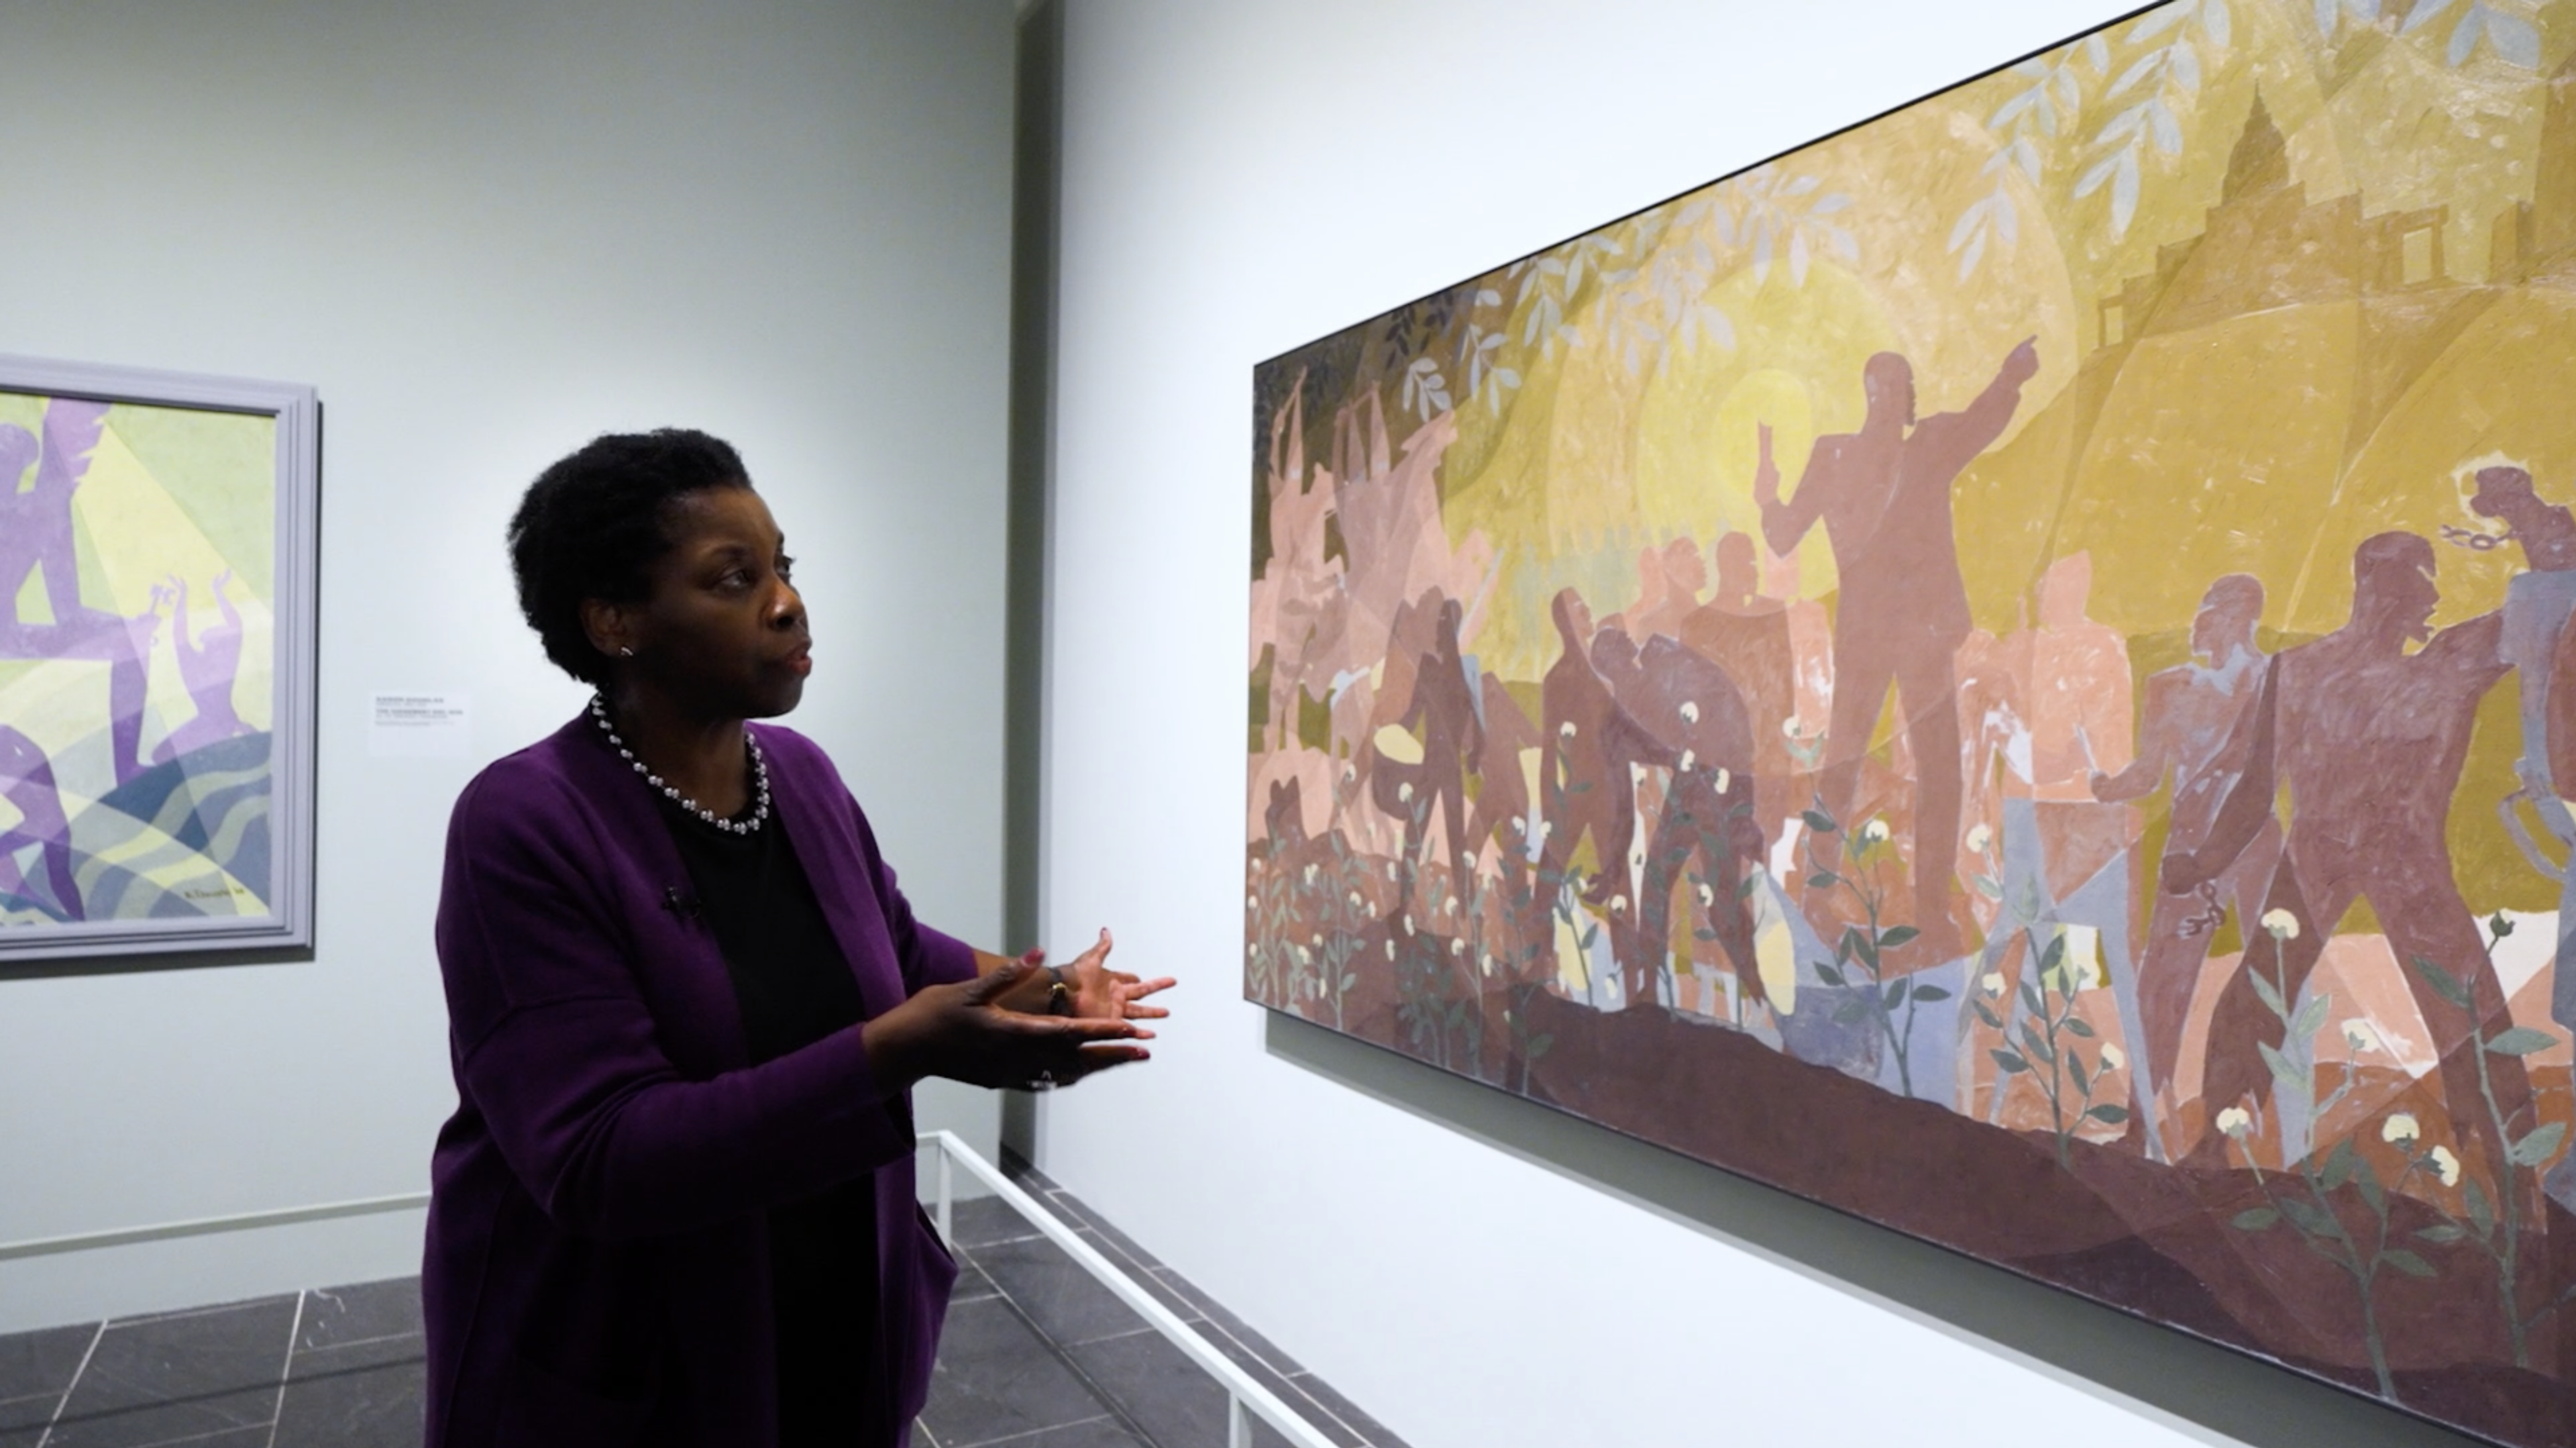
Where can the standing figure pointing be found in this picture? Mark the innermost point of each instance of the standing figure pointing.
(1884, 495)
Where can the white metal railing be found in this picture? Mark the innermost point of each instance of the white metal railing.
(1245, 1397)
(203, 1226)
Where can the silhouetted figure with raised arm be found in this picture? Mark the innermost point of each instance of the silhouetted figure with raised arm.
(208, 665)
(1884, 496)
(2541, 650)
(36, 532)
(2185, 729)
(2370, 741)
(36, 525)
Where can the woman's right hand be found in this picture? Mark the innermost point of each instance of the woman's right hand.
(964, 1033)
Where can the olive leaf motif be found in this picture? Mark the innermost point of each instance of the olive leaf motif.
(2165, 81)
(2032, 117)
(2514, 39)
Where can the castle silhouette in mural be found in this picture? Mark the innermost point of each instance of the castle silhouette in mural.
(2008, 672)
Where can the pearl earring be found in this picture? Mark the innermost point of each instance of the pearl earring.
(624, 652)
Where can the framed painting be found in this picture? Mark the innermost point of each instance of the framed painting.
(158, 544)
(2007, 671)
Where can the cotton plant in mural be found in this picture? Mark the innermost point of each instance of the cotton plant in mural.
(136, 549)
(2009, 671)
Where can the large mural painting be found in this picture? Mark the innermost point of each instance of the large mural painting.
(2007, 671)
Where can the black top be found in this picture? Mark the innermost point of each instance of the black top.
(795, 988)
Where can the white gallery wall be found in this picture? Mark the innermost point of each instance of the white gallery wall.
(487, 231)
(1239, 179)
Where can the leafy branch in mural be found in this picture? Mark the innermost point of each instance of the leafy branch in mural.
(1663, 294)
(1272, 954)
(2054, 98)
(1704, 885)
(1526, 951)
(1429, 960)
(1562, 885)
(1528, 1045)
(1480, 356)
(2513, 38)
(1677, 277)
(1650, 280)
(2293, 1062)
(2166, 79)
(1426, 393)
(2049, 1045)
(2497, 1226)
(1407, 350)
(1859, 966)
(1550, 283)
(1649, 277)
(2309, 1209)
(1320, 968)
(1776, 215)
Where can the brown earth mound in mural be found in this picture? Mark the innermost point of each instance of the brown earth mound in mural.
(2171, 1244)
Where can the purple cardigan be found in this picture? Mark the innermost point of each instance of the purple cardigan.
(597, 1268)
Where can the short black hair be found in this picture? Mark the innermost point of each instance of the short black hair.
(593, 525)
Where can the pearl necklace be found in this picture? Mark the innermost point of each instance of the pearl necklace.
(759, 776)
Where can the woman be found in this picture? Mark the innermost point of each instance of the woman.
(686, 1002)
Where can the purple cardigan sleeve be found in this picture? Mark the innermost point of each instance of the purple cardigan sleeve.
(557, 1047)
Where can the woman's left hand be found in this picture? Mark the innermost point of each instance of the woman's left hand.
(1102, 994)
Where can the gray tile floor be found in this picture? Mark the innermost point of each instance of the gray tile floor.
(1037, 1355)
(319, 1369)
